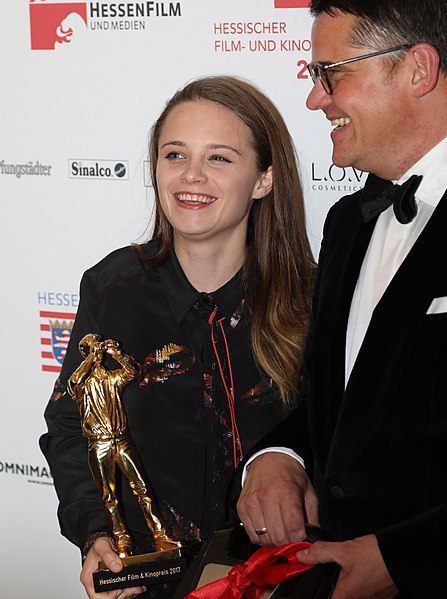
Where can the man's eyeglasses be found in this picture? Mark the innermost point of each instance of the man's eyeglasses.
(320, 72)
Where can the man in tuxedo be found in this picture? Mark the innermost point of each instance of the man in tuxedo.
(374, 387)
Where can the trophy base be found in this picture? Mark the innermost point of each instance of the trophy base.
(146, 569)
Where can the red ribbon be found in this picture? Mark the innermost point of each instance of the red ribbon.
(264, 568)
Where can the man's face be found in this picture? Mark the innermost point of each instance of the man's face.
(368, 107)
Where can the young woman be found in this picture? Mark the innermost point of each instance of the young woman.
(214, 308)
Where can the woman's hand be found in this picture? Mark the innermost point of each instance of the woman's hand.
(103, 550)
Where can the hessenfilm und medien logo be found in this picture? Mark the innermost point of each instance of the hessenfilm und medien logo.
(81, 168)
(55, 24)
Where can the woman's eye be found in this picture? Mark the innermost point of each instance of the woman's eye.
(174, 156)
(218, 158)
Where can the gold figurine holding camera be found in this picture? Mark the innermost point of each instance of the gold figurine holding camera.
(97, 391)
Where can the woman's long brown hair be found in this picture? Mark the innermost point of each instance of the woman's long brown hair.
(279, 267)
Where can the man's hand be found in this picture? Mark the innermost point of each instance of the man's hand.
(103, 551)
(363, 572)
(277, 496)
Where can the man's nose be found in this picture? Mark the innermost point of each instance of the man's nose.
(318, 98)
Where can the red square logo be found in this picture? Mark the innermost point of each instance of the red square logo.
(292, 3)
(55, 22)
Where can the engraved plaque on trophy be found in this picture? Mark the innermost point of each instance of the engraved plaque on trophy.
(97, 391)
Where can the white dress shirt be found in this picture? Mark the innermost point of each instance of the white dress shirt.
(389, 245)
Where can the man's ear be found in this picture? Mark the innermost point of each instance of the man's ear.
(425, 62)
(263, 185)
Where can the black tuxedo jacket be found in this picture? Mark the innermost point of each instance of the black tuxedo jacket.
(380, 445)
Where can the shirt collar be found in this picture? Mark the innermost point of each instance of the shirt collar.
(182, 296)
(432, 168)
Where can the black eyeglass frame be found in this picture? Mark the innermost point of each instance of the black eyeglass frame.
(319, 72)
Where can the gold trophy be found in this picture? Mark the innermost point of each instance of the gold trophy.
(97, 391)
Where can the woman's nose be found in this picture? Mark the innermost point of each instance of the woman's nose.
(194, 172)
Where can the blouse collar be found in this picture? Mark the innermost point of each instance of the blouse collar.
(182, 296)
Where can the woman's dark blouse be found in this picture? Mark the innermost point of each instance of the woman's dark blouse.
(177, 409)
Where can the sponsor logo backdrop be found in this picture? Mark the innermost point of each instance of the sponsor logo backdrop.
(82, 83)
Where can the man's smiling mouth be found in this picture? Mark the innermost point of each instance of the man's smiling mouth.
(341, 122)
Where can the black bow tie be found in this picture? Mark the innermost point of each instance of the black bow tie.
(385, 193)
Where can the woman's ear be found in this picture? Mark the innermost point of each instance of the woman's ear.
(263, 185)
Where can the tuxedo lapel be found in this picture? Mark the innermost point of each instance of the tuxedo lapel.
(347, 242)
(388, 341)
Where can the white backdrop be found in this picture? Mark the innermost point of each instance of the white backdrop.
(81, 84)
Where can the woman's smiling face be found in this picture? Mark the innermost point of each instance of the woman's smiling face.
(207, 173)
